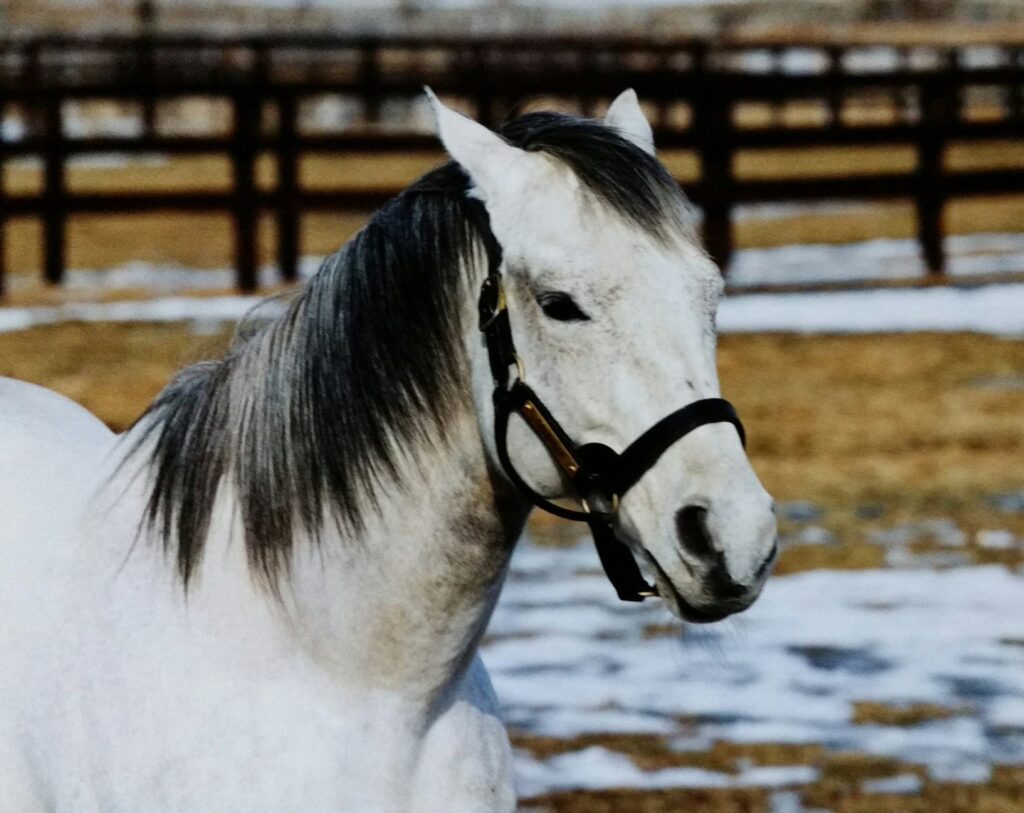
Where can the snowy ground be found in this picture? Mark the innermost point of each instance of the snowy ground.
(567, 659)
(995, 309)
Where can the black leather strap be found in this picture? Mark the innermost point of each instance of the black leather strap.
(600, 475)
(645, 451)
(505, 403)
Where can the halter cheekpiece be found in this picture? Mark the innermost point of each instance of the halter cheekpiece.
(599, 475)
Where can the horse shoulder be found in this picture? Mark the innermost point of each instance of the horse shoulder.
(466, 761)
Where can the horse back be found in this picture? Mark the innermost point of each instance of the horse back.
(51, 451)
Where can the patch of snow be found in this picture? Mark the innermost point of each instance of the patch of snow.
(809, 535)
(1010, 503)
(115, 160)
(597, 768)
(162, 279)
(873, 59)
(798, 510)
(790, 802)
(567, 658)
(994, 309)
(967, 254)
(80, 122)
(967, 772)
(11, 129)
(171, 309)
(903, 784)
(779, 211)
(995, 540)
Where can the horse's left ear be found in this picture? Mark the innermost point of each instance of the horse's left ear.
(493, 164)
(625, 115)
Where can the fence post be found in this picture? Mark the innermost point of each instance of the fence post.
(3, 195)
(243, 157)
(287, 189)
(54, 192)
(937, 107)
(835, 96)
(712, 120)
(369, 80)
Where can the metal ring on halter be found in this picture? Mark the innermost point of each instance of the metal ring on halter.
(585, 502)
(520, 369)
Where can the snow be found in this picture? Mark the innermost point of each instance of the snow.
(215, 310)
(597, 768)
(996, 309)
(906, 783)
(993, 309)
(568, 659)
(891, 259)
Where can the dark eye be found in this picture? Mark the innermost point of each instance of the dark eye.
(560, 306)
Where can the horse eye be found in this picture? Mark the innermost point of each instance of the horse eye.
(560, 306)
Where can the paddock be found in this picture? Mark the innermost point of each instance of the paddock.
(880, 672)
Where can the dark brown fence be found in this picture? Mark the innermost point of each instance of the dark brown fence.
(815, 95)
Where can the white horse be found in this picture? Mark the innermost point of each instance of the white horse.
(269, 594)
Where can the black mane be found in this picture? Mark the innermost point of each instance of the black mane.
(303, 416)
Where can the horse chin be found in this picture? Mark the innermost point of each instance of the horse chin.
(677, 604)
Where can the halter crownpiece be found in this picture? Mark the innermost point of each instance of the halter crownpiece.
(599, 475)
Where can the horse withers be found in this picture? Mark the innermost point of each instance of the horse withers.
(268, 595)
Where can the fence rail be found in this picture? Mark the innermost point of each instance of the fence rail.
(919, 96)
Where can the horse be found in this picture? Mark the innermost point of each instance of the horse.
(269, 593)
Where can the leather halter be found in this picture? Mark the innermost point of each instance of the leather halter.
(599, 475)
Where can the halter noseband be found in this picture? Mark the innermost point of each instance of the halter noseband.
(599, 475)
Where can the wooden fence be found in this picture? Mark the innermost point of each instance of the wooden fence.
(924, 97)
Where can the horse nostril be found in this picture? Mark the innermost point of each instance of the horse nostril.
(769, 560)
(691, 526)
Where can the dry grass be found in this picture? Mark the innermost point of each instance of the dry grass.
(861, 418)
(114, 370)
(918, 423)
(874, 713)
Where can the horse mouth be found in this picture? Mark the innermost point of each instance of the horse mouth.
(684, 609)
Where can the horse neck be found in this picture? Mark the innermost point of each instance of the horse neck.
(404, 605)
(402, 600)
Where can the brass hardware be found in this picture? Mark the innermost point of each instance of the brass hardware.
(588, 510)
(539, 424)
(520, 368)
(499, 306)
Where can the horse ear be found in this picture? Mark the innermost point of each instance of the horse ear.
(625, 115)
(489, 159)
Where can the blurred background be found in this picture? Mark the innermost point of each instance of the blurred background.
(859, 170)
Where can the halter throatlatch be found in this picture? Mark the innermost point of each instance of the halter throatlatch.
(599, 475)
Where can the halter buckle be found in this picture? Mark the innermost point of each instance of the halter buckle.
(492, 301)
(589, 509)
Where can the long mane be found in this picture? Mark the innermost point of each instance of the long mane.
(305, 413)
